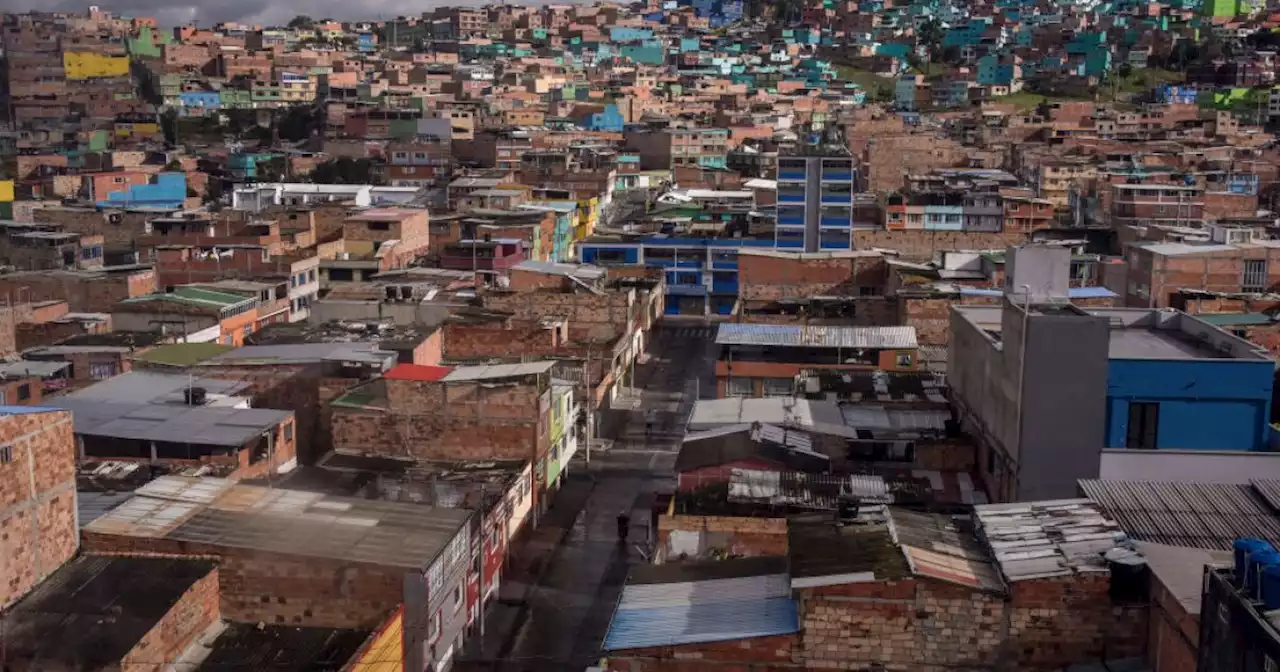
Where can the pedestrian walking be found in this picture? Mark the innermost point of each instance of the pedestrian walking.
(624, 526)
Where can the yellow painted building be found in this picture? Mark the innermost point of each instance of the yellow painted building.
(89, 65)
(6, 191)
(588, 217)
(140, 129)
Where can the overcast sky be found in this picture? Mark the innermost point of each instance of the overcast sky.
(175, 12)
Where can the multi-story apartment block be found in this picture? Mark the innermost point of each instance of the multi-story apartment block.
(815, 198)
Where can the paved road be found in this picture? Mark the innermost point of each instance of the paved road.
(564, 616)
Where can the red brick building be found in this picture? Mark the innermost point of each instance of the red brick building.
(37, 496)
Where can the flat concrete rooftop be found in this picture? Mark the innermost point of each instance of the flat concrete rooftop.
(1140, 343)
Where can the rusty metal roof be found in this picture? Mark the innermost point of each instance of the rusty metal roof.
(782, 335)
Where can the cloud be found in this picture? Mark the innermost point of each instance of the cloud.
(212, 11)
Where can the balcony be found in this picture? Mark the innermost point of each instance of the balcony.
(791, 221)
(844, 198)
(785, 197)
(792, 176)
(837, 176)
(835, 223)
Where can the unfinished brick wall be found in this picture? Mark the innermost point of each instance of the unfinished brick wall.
(908, 625)
(194, 612)
(592, 317)
(275, 588)
(84, 293)
(293, 387)
(1226, 205)
(435, 437)
(38, 530)
(746, 537)
(119, 229)
(888, 159)
(1163, 276)
(921, 245)
(1058, 621)
(771, 278)
(755, 654)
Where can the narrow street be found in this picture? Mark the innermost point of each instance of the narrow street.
(564, 610)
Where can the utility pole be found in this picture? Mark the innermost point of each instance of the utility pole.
(586, 387)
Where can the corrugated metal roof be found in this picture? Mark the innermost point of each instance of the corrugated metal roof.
(665, 614)
(223, 513)
(936, 546)
(1195, 515)
(816, 336)
(1049, 538)
(580, 271)
(817, 491)
(489, 372)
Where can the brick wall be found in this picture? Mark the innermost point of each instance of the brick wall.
(698, 535)
(755, 654)
(37, 499)
(887, 159)
(117, 234)
(921, 245)
(1058, 621)
(434, 437)
(274, 588)
(1226, 205)
(1173, 635)
(1164, 276)
(295, 387)
(907, 626)
(591, 316)
(770, 278)
(194, 612)
(87, 293)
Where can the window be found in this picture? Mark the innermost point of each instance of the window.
(6, 454)
(1254, 278)
(102, 370)
(611, 257)
(288, 431)
(778, 387)
(24, 392)
(433, 628)
(740, 387)
(1144, 423)
(904, 359)
(457, 598)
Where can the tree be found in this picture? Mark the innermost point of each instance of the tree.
(345, 170)
(930, 37)
(169, 127)
(301, 21)
(213, 190)
(174, 166)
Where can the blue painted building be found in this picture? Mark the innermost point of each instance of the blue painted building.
(993, 72)
(168, 190)
(1058, 392)
(1167, 391)
(815, 199)
(609, 119)
(702, 273)
(646, 53)
(196, 102)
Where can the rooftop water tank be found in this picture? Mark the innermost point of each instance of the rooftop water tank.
(1253, 571)
(1241, 550)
